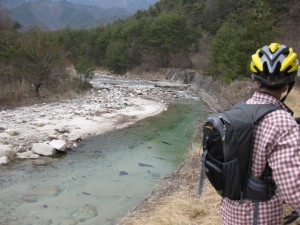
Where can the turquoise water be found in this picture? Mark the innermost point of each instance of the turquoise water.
(104, 178)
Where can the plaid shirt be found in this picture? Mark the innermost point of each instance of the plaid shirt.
(276, 141)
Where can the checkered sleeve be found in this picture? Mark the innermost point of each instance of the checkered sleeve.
(284, 159)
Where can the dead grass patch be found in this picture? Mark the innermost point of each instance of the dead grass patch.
(148, 73)
(175, 200)
(21, 93)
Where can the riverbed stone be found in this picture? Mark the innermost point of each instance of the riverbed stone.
(39, 162)
(62, 130)
(4, 160)
(34, 156)
(7, 150)
(75, 137)
(145, 165)
(2, 128)
(123, 173)
(25, 155)
(12, 132)
(43, 149)
(154, 174)
(59, 145)
(29, 198)
(84, 213)
(45, 191)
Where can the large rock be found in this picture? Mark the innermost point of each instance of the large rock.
(7, 150)
(43, 149)
(59, 145)
(4, 160)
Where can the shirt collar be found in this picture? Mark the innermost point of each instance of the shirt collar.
(265, 98)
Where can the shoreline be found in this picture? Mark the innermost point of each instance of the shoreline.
(69, 121)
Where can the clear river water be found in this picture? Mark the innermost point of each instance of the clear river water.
(99, 182)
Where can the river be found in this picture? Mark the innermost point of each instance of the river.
(105, 177)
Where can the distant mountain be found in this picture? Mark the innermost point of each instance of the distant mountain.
(8, 4)
(131, 5)
(105, 4)
(57, 14)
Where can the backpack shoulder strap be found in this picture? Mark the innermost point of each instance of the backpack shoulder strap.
(202, 173)
(256, 111)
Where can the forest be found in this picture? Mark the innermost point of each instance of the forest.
(214, 37)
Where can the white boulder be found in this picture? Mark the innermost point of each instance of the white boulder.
(4, 160)
(59, 145)
(43, 149)
(7, 150)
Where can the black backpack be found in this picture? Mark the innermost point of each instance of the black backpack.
(227, 153)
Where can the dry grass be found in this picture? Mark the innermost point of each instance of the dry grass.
(145, 73)
(179, 209)
(175, 201)
(22, 93)
(10, 95)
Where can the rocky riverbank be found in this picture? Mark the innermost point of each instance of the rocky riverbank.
(43, 129)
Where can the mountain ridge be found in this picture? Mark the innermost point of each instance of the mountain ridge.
(77, 14)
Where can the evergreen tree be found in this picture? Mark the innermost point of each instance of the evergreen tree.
(119, 56)
(249, 28)
(168, 34)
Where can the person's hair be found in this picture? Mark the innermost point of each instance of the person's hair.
(273, 88)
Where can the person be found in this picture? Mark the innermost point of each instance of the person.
(276, 139)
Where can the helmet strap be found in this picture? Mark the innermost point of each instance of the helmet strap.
(290, 87)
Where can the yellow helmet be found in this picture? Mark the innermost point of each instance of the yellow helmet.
(274, 64)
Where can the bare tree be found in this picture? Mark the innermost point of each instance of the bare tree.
(41, 60)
